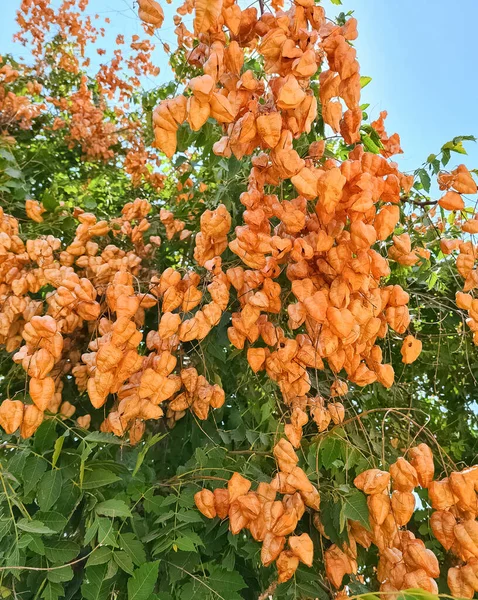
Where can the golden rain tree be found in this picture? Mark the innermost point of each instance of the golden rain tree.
(238, 343)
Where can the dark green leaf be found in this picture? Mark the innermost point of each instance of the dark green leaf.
(53, 520)
(99, 556)
(34, 526)
(60, 575)
(113, 508)
(32, 472)
(141, 584)
(124, 561)
(98, 477)
(52, 591)
(96, 586)
(355, 508)
(49, 489)
(133, 547)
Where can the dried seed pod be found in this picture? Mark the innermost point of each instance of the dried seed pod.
(404, 475)
(379, 507)
(32, 419)
(237, 486)
(285, 456)
(411, 349)
(403, 505)
(272, 546)
(303, 547)
(287, 564)
(84, 421)
(459, 587)
(337, 565)
(42, 392)
(421, 458)
(11, 415)
(466, 534)
(443, 527)
(416, 556)
(221, 502)
(205, 502)
(237, 519)
(441, 495)
(372, 481)
(463, 487)
(336, 411)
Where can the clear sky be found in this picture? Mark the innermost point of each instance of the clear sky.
(422, 56)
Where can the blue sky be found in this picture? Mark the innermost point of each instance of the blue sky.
(421, 56)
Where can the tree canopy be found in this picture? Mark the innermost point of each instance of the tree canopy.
(238, 345)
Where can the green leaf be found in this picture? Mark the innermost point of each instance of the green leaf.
(34, 526)
(56, 453)
(455, 145)
(416, 594)
(188, 541)
(49, 489)
(370, 145)
(90, 532)
(106, 532)
(49, 201)
(5, 526)
(8, 156)
(95, 585)
(424, 179)
(98, 477)
(60, 575)
(113, 508)
(364, 81)
(189, 516)
(53, 591)
(133, 547)
(355, 507)
(141, 584)
(32, 472)
(99, 556)
(124, 561)
(69, 497)
(53, 520)
(45, 436)
(153, 503)
(36, 545)
(330, 451)
(61, 551)
(14, 173)
(225, 582)
(142, 455)
(432, 280)
(98, 437)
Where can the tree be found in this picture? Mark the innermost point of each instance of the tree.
(235, 334)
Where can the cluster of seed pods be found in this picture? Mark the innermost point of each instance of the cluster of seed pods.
(329, 237)
(94, 306)
(453, 522)
(269, 520)
(404, 562)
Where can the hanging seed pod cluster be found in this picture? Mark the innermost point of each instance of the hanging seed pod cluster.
(93, 293)
(454, 524)
(405, 562)
(327, 238)
(269, 520)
